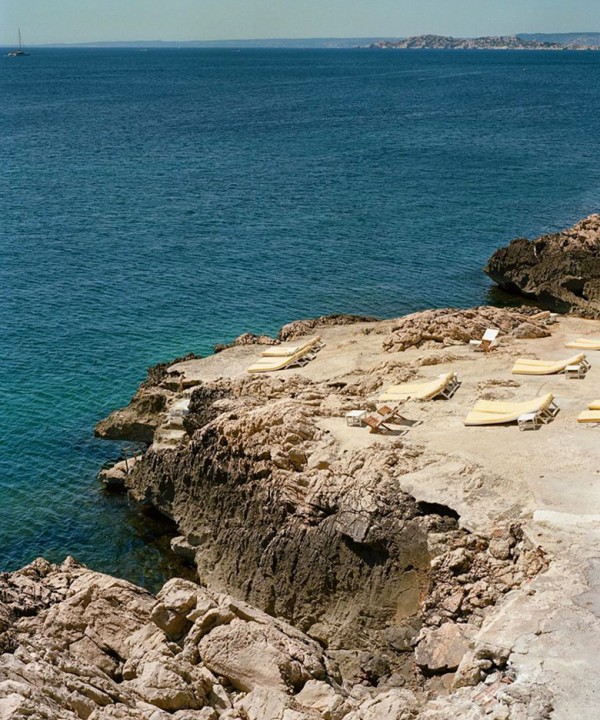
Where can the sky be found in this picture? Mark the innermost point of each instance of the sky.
(72, 21)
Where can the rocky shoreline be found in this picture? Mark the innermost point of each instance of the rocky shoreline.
(430, 572)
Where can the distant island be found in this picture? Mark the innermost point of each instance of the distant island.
(507, 42)
(521, 41)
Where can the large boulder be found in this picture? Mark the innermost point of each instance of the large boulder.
(442, 649)
(561, 270)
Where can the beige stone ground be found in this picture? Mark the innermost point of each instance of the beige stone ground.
(550, 477)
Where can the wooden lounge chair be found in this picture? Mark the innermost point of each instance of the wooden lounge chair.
(376, 424)
(492, 412)
(525, 366)
(270, 364)
(584, 344)
(314, 343)
(391, 414)
(487, 342)
(444, 386)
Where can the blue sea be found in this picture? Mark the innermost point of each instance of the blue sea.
(156, 203)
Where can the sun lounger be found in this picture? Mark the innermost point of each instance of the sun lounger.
(268, 364)
(492, 412)
(487, 342)
(584, 344)
(589, 416)
(594, 405)
(391, 414)
(445, 386)
(313, 343)
(376, 424)
(525, 366)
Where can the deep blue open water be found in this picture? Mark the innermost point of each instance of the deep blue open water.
(155, 203)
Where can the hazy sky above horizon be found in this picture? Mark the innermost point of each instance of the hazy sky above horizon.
(70, 21)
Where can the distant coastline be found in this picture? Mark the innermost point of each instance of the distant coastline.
(520, 41)
(508, 42)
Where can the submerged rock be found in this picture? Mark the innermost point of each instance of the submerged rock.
(560, 270)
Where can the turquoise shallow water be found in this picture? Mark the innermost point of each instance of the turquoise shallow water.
(155, 203)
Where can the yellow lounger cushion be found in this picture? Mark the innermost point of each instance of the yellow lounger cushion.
(288, 349)
(490, 412)
(500, 407)
(488, 418)
(419, 391)
(525, 366)
(584, 343)
(594, 405)
(589, 416)
(276, 363)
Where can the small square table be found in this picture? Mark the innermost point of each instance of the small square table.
(355, 417)
(575, 371)
(527, 420)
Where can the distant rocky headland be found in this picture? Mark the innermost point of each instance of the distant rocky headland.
(507, 42)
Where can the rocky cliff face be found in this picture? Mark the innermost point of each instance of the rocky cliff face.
(275, 509)
(75, 644)
(561, 270)
(326, 589)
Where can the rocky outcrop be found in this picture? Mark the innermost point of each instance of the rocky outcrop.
(76, 644)
(561, 270)
(450, 326)
(274, 511)
(139, 420)
(246, 339)
(299, 328)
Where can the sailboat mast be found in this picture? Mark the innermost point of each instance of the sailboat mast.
(20, 45)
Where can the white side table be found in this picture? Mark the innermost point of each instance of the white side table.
(527, 420)
(575, 371)
(355, 417)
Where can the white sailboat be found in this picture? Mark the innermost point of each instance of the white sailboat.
(20, 52)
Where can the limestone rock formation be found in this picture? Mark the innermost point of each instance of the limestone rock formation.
(450, 326)
(299, 328)
(275, 512)
(76, 644)
(561, 270)
(246, 339)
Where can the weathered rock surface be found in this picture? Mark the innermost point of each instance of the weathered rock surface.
(561, 270)
(365, 602)
(299, 328)
(79, 644)
(278, 514)
(246, 339)
(450, 326)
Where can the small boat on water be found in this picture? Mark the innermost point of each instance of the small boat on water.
(20, 52)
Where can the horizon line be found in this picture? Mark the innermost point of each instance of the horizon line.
(325, 38)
